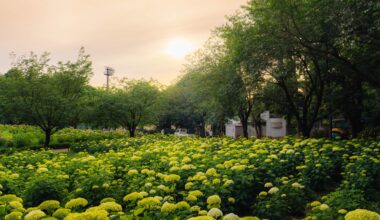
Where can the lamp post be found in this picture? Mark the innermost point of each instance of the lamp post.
(108, 72)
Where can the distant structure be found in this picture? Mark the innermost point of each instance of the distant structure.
(108, 72)
(234, 129)
(273, 127)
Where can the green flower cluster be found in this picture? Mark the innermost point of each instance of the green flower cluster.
(167, 177)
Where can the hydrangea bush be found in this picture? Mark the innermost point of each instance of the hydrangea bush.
(167, 177)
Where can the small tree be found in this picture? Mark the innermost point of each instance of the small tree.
(132, 105)
(47, 96)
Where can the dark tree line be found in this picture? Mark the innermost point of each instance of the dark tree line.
(321, 58)
(56, 96)
(308, 61)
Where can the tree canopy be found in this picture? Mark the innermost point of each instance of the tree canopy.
(309, 61)
(34, 92)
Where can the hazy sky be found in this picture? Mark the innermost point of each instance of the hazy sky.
(138, 38)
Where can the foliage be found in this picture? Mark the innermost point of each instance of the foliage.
(161, 176)
(348, 199)
(285, 200)
(44, 95)
(312, 54)
(13, 137)
(43, 187)
(133, 105)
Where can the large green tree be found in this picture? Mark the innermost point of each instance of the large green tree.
(44, 95)
(341, 38)
(246, 71)
(134, 104)
(182, 107)
(274, 38)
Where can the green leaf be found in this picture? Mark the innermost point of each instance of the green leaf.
(126, 217)
(138, 211)
(3, 211)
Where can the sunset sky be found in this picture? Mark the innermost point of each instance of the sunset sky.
(138, 38)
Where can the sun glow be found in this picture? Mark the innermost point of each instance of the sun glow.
(179, 48)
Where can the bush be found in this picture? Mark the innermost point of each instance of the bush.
(362, 173)
(319, 133)
(348, 199)
(270, 176)
(362, 214)
(44, 187)
(3, 142)
(369, 132)
(5, 139)
(21, 140)
(288, 199)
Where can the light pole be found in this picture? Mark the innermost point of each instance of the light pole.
(108, 72)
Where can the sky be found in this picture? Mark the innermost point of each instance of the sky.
(138, 38)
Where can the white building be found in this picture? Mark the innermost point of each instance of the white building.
(234, 129)
(273, 127)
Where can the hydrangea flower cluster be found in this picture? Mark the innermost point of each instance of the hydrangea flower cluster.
(166, 177)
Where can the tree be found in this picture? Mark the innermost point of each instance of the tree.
(133, 105)
(298, 51)
(228, 84)
(40, 94)
(97, 106)
(274, 39)
(244, 71)
(181, 107)
(338, 39)
(353, 48)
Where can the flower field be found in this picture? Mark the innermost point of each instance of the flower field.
(166, 177)
(16, 137)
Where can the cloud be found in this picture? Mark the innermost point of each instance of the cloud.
(128, 35)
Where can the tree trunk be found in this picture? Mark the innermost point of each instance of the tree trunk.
(353, 105)
(258, 132)
(288, 123)
(214, 130)
(244, 123)
(356, 126)
(132, 131)
(303, 129)
(218, 128)
(202, 129)
(244, 114)
(356, 121)
(47, 137)
(257, 125)
(306, 131)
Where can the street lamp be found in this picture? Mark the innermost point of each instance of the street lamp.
(108, 72)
